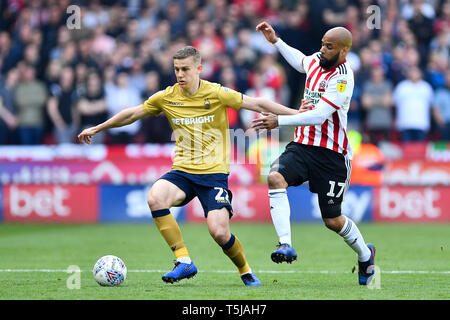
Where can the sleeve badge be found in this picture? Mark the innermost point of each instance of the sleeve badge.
(341, 84)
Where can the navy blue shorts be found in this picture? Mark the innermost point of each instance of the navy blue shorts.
(211, 189)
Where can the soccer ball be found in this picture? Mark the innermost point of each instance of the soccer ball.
(110, 271)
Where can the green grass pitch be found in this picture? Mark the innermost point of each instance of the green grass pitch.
(414, 261)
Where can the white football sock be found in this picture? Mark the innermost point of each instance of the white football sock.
(184, 260)
(355, 240)
(281, 214)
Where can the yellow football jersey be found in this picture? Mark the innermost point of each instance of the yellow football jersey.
(200, 125)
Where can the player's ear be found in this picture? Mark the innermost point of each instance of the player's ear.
(345, 50)
(199, 68)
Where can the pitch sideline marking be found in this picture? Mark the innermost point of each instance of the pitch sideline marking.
(233, 271)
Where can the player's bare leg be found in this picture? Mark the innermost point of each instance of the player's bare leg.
(162, 196)
(218, 222)
(281, 215)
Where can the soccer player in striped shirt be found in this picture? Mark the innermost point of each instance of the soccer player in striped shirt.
(320, 152)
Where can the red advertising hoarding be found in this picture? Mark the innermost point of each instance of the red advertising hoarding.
(77, 164)
(412, 204)
(50, 203)
(416, 173)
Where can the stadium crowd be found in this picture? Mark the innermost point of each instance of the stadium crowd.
(56, 80)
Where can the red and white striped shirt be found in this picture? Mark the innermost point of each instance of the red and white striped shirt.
(335, 88)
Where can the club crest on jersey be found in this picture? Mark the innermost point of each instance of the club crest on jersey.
(322, 85)
(207, 104)
(341, 84)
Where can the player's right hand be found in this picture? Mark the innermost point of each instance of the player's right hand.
(86, 135)
(267, 31)
(268, 122)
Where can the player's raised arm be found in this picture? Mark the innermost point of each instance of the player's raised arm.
(293, 56)
(265, 105)
(267, 31)
(123, 118)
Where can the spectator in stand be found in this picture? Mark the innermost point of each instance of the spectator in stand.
(81, 73)
(363, 73)
(53, 72)
(155, 129)
(228, 79)
(69, 54)
(176, 18)
(91, 105)
(228, 33)
(413, 99)
(61, 107)
(421, 25)
(191, 8)
(148, 18)
(165, 68)
(7, 57)
(437, 66)
(258, 89)
(8, 118)
(443, 20)
(122, 96)
(210, 45)
(335, 13)
(274, 77)
(216, 11)
(31, 57)
(439, 59)
(102, 44)
(30, 97)
(441, 109)
(137, 75)
(441, 43)
(85, 54)
(249, 11)
(51, 26)
(354, 114)
(403, 60)
(62, 39)
(20, 39)
(273, 12)
(95, 15)
(377, 102)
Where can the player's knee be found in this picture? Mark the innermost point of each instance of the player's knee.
(276, 181)
(156, 202)
(220, 234)
(331, 223)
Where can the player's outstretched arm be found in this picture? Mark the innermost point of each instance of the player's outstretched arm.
(308, 115)
(123, 118)
(293, 56)
(266, 105)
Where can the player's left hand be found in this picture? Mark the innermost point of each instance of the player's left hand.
(269, 121)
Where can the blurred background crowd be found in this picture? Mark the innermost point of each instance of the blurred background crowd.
(56, 80)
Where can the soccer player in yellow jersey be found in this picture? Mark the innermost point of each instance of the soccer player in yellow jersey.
(196, 110)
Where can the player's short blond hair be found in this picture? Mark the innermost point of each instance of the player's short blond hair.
(188, 51)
